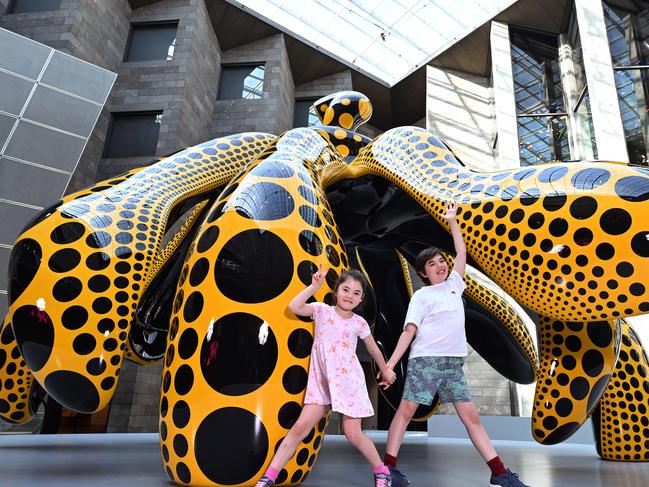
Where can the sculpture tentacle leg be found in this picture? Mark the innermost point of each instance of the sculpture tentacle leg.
(621, 420)
(15, 379)
(77, 272)
(577, 361)
(237, 359)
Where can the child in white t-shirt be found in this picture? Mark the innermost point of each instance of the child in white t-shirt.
(434, 330)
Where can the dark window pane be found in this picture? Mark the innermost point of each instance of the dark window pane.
(304, 114)
(133, 134)
(245, 82)
(538, 91)
(26, 6)
(149, 42)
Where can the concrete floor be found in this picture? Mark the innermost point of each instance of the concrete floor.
(133, 460)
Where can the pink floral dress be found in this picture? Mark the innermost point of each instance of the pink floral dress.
(335, 374)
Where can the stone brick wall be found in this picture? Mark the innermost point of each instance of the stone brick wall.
(183, 88)
(202, 80)
(134, 407)
(272, 113)
(323, 86)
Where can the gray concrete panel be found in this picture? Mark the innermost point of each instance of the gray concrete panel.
(30, 184)
(3, 305)
(14, 218)
(78, 77)
(14, 93)
(5, 253)
(6, 124)
(21, 55)
(45, 146)
(62, 111)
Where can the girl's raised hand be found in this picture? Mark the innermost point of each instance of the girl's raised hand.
(318, 277)
(451, 211)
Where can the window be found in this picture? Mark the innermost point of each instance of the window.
(304, 114)
(542, 120)
(133, 134)
(27, 6)
(628, 40)
(149, 42)
(582, 114)
(241, 81)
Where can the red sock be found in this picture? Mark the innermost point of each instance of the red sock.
(496, 466)
(389, 460)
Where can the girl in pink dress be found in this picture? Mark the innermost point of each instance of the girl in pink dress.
(335, 374)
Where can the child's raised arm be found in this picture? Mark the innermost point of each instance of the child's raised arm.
(458, 241)
(298, 304)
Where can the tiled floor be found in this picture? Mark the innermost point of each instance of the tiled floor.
(134, 460)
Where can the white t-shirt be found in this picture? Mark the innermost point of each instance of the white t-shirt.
(438, 312)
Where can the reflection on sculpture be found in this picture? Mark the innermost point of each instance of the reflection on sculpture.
(92, 280)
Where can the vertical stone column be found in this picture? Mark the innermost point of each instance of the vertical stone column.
(577, 125)
(607, 121)
(507, 153)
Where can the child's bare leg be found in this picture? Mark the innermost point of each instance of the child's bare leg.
(402, 417)
(353, 432)
(471, 420)
(310, 415)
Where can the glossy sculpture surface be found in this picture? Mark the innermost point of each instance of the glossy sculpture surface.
(193, 260)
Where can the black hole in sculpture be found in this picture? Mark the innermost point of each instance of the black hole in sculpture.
(254, 266)
(241, 456)
(263, 201)
(34, 334)
(72, 390)
(236, 355)
(23, 265)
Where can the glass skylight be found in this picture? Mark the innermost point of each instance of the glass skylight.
(385, 39)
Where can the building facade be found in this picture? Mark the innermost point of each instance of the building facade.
(540, 81)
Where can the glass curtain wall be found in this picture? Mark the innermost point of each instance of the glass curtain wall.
(627, 25)
(542, 119)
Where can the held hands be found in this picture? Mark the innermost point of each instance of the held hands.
(318, 278)
(451, 211)
(388, 375)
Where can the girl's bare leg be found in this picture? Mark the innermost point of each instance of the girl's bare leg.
(353, 432)
(310, 415)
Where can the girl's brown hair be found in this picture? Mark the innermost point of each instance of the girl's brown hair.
(356, 276)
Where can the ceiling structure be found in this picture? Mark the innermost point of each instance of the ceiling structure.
(384, 39)
(323, 37)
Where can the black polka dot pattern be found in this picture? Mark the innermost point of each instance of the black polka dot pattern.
(620, 418)
(260, 242)
(577, 360)
(79, 271)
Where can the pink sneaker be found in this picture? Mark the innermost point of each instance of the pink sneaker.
(382, 480)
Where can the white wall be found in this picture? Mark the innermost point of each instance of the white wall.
(459, 110)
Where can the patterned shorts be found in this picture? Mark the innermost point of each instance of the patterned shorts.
(428, 375)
